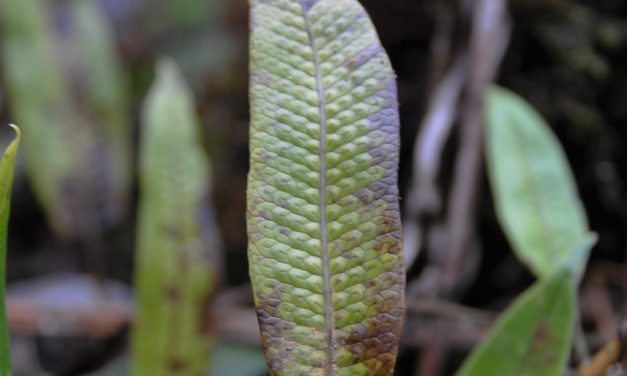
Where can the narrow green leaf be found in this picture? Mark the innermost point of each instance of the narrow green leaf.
(37, 95)
(6, 182)
(533, 337)
(323, 216)
(535, 193)
(176, 246)
(105, 102)
(68, 94)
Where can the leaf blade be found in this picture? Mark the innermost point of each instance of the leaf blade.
(7, 164)
(535, 194)
(105, 92)
(177, 267)
(73, 113)
(533, 335)
(323, 220)
(36, 94)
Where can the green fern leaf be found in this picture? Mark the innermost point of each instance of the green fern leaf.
(69, 96)
(535, 193)
(176, 247)
(6, 182)
(323, 216)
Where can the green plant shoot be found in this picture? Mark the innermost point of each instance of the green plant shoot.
(176, 245)
(6, 182)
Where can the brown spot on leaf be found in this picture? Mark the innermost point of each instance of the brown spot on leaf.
(268, 307)
(376, 338)
(172, 232)
(176, 364)
(265, 214)
(206, 312)
(388, 225)
(542, 334)
(283, 203)
(172, 293)
(363, 56)
(363, 196)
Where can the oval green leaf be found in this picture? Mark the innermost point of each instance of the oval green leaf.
(533, 336)
(535, 194)
(323, 216)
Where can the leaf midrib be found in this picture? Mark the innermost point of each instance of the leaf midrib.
(322, 205)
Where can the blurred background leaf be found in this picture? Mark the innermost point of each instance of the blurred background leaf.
(177, 246)
(7, 164)
(66, 85)
(533, 336)
(534, 190)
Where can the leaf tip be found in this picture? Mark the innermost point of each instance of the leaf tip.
(16, 141)
(578, 259)
(18, 132)
(167, 69)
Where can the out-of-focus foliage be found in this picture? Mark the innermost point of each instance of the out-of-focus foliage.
(6, 182)
(534, 190)
(67, 89)
(533, 337)
(101, 89)
(542, 215)
(325, 257)
(176, 245)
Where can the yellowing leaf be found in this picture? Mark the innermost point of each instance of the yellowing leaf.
(323, 216)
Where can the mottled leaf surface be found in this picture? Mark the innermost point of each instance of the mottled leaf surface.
(6, 182)
(323, 216)
(67, 91)
(533, 336)
(176, 247)
(534, 190)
